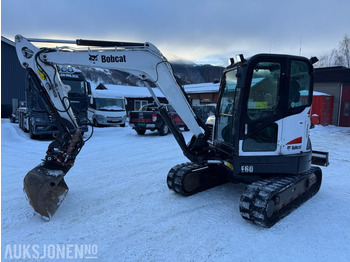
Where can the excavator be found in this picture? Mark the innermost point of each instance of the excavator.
(260, 134)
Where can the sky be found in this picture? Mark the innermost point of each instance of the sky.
(201, 31)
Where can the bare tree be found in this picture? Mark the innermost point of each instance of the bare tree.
(344, 51)
(323, 61)
(337, 57)
(328, 60)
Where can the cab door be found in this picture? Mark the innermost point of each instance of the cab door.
(260, 125)
(226, 117)
(296, 123)
(275, 114)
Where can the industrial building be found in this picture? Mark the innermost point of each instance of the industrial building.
(12, 77)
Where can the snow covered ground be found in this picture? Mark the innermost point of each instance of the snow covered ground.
(120, 209)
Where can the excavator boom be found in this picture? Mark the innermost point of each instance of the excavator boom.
(46, 191)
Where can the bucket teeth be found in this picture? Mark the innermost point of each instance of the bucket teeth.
(45, 189)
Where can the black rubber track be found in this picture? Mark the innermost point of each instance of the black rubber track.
(189, 178)
(256, 198)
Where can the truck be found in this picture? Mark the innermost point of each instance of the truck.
(149, 118)
(106, 108)
(33, 116)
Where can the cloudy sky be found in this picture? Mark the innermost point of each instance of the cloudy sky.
(202, 31)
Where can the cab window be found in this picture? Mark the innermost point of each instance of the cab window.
(225, 123)
(299, 85)
(262, 140)
(263, 94)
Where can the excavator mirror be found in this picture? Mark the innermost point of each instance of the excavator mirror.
(314, 60)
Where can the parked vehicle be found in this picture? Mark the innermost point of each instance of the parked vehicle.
(15, 109)
(148, 118)
(33, 116)
(204, 111)
(106, 108)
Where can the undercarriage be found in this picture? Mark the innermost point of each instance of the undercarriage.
(263, 202)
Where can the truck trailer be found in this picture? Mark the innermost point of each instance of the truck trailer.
(33, 116)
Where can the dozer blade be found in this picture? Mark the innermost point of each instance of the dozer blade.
(45, 189)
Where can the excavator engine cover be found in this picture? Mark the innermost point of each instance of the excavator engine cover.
(45, 189)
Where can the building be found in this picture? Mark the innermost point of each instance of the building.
(204, 93)
(12, 78)
(335, 81)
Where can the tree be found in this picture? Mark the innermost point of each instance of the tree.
(337, 57)
(344, 51)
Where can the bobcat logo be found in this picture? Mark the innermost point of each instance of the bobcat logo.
(93, 58)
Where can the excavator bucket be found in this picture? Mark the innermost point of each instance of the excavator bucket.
(45, 189)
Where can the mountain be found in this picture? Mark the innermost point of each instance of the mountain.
(184, 72)
(195, 74)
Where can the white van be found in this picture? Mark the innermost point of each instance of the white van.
(106, 108)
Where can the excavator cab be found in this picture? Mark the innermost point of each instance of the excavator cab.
(263, 112)
(261, 138)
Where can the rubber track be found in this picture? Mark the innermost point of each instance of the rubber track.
(198, 178)
(176, 176)
(256, 196)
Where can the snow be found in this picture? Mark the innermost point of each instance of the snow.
(315, 93)
(105, 93)
(202, 88)
(55, 173)
(129, 91)
(119, 206)
(111, 108)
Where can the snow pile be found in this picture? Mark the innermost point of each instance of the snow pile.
(108, 94)
(202, 88)
(128, 91)
(120, 209)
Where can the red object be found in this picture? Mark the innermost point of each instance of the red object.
(322, 109)
(315, 119)
(177, 119)
(154, 117)
(295, 141)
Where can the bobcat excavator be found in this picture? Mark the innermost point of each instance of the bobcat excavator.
(260, 136)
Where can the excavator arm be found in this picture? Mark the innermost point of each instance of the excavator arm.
(44, 185)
